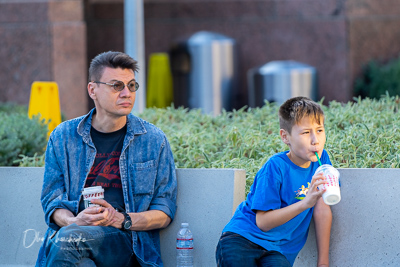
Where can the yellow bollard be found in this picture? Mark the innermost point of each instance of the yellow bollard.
(159, 81)
(44, 100)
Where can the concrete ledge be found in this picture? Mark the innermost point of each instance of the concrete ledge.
(365, 227)
(22, 219)
(206, 200)
(365, 230)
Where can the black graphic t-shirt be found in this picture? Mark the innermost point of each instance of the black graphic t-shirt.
(105, 169)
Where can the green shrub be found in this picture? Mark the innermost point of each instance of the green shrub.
(19, 135)
(360, 134)
(377, 79)
(10, 108)
(237, 139)
(36, 160)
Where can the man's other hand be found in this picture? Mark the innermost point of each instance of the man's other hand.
(103, 215)
(110, 216)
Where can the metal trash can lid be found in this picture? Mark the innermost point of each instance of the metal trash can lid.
(205, 37)
(283, 66)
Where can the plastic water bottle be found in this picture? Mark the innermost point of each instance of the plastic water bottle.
(184, 246)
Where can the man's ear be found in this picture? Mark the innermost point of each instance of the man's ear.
(90, 89)
(284, 136)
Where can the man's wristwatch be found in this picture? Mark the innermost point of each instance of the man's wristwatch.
(127, 223)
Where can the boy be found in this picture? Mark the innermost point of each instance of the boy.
(271, 226)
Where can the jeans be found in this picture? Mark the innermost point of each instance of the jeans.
(233, 250)
(88, 246)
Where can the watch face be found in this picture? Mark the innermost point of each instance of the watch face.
(127, 222)
(127, 225)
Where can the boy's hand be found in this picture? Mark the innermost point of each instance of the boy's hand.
(313, 193)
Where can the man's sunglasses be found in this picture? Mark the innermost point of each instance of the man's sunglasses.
(118, 86)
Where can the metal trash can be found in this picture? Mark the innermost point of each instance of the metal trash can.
(204, 70)
(278, 81)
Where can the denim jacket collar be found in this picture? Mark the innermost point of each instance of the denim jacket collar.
(135, 126)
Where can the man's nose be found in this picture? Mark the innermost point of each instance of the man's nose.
(125, 92)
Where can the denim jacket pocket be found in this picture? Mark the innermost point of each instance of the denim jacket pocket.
(143, 177)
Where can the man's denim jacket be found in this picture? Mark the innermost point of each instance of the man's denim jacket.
(147, 175)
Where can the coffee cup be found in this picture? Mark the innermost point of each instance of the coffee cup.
(89, 193)
(332, 194)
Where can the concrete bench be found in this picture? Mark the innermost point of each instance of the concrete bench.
(365, 229)
(365, 226)
(206, 200)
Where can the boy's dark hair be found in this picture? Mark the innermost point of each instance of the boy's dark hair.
(112, 60)
(294, 109)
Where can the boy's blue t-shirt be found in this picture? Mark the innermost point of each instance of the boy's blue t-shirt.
(276, 186)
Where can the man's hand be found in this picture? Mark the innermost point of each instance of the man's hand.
(88, 217)
(313, 193)
(110, 217)
(95, 216)
(105, 215)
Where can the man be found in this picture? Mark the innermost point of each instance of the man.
(129, 157)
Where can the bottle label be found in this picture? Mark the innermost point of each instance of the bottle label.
(184, 243)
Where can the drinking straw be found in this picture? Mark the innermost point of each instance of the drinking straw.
(319, 161)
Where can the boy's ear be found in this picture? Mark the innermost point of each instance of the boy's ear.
(284, 136)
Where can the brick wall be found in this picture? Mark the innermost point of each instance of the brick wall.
(49, 40)
(43, 41)
(336, 36)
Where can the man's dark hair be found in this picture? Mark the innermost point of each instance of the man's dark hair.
(110, 59)
(294, 109)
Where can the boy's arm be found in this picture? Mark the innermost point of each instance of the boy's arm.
(266, 220)
(322, 220)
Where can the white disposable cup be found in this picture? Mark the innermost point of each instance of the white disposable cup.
(89, 193)
(332, 194)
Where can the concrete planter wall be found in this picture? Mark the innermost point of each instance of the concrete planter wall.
(206, 200)
(365, 229)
